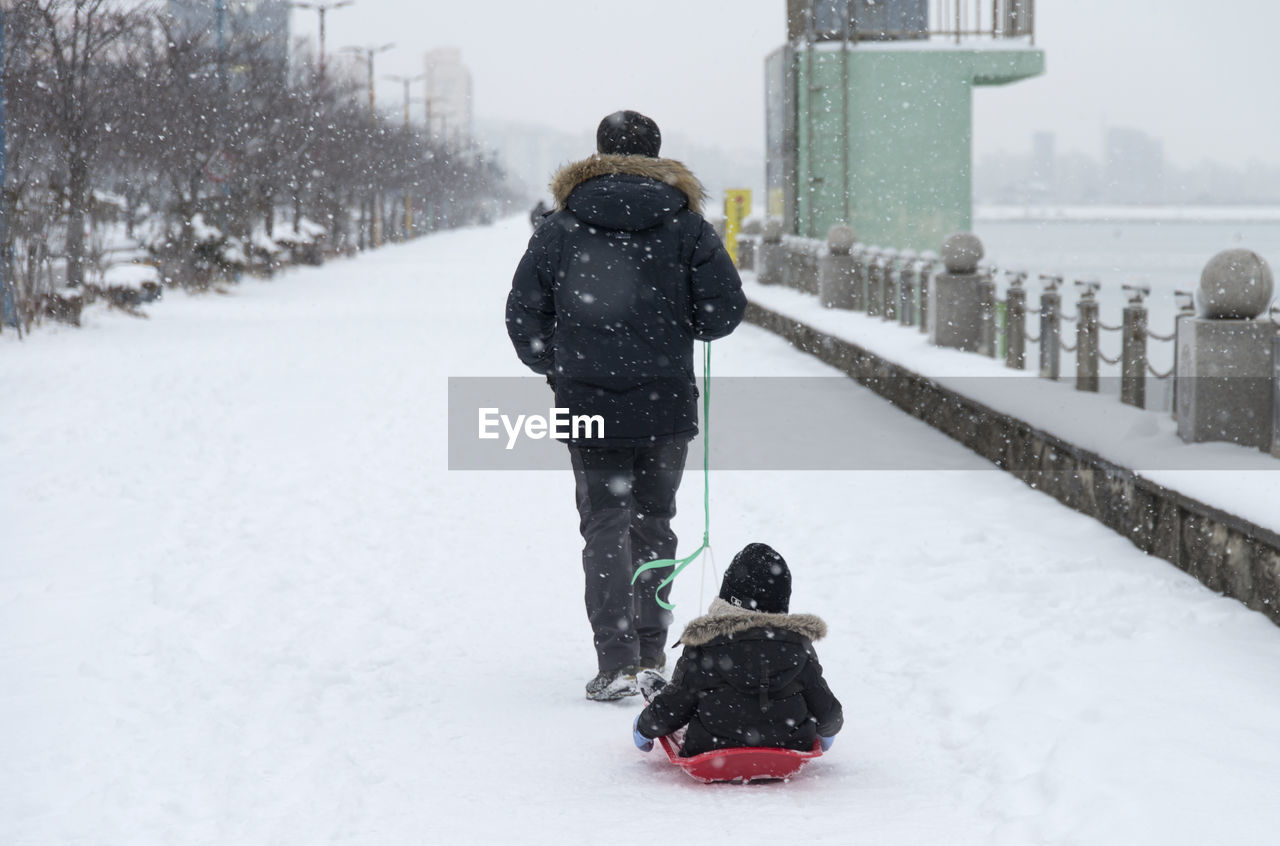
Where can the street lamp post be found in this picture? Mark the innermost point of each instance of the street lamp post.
(408, 194)
(407, 81)
(322, 8)
(8, 309)
(220, 10)
(369, 53)
(427, 101)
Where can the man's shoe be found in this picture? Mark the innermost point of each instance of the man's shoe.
(609, 685)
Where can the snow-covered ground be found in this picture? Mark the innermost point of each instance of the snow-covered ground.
(243, 601)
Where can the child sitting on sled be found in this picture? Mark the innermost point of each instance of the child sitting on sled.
(749, 675)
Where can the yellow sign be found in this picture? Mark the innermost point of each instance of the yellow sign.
(777, 203)
(737, 205)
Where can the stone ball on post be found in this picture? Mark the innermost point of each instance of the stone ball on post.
(1236, 284)
(840, 239)
(773, 230)
(961, 253)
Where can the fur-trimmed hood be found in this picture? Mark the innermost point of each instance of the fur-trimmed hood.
(723, 619)
(666, 171)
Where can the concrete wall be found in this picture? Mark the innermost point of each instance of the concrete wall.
(1226, 553)
(908, 136)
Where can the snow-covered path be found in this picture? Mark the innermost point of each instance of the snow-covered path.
(243, 601)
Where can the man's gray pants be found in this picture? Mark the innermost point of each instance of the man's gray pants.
(626, 499)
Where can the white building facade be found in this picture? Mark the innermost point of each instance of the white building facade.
(449, 98)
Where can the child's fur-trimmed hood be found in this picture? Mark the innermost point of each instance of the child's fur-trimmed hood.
(723, 620)
(668, 171)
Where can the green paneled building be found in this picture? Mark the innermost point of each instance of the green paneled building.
(869, 112)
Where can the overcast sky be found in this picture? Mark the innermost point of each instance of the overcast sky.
(1202, 78)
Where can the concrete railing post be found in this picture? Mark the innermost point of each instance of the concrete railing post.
(787, 274)
(747, 244)
(955, 295)
(874, 297)
(800, 264)
(772, 253)
(1225, 370)
(987, 312)
(888, 288)
(1087, 337)
(907, 288)
(1275, 394)
(858, 283)
(835, 268)
(1050, 326)
(1133, 348)
(1015, 317)
(928, 266)
(1186, 308)
(812, 255)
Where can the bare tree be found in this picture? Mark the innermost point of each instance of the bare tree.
(81, 48)
(112, 95)
(31, 207)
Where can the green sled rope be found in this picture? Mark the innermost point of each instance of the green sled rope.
(680, 564)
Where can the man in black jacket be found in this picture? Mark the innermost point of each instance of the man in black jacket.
(615, 286)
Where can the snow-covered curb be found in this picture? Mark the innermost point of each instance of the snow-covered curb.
(1127, 214)
(1144, 441)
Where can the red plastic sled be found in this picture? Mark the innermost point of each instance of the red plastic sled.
(744, 764)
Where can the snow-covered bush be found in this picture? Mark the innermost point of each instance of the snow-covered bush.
(129, 285)
(63, 305)
(304, 241)
(209, 256)
(264, 255)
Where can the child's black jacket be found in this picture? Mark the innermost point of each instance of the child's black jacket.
(746, 679)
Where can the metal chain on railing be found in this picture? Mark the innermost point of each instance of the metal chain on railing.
(891, 283)
(1184, 307)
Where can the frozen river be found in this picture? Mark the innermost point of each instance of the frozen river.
(1165, 256)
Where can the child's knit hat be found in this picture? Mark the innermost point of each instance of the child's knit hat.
(757, 580)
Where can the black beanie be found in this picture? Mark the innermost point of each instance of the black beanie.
(757, 580)
(628, 134)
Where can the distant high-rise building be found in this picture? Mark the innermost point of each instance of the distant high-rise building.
(1044, 163)
(1134, 166)
(449, 110)
(265, 22)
